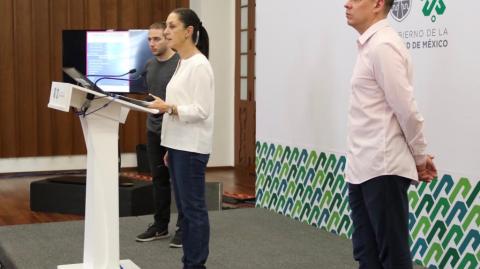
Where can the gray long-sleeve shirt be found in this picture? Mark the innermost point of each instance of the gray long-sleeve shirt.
(158, 75)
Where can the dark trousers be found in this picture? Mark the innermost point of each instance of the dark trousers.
(160, 180)
(188, 180)
(380, 223)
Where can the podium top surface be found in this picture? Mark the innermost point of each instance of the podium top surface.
(127, 102)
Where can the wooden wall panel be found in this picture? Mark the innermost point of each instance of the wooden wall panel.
(76, 20)
(145, 13)
(25, 96)
(62, 122)
(127, 14)
(76, 11)
(42, 74)
(93, 14)
(161, 9)
(8, 119)
(31, 58)
(110, 14)
(182, 3)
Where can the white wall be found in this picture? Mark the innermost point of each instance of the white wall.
(303, 74)
(218, 17)
(57, 163)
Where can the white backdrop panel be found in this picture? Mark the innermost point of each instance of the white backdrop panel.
(305, 56)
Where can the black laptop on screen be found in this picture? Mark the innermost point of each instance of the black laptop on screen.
(86, 83)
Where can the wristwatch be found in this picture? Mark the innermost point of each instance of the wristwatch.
(170, 110)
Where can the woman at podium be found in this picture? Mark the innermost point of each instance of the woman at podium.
(187, 129)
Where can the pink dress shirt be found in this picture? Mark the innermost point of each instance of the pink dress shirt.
(384, 126)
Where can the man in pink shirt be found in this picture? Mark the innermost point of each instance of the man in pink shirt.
(386, 145)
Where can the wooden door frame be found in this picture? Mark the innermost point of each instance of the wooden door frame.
(247, 106)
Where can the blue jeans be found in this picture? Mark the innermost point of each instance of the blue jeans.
(187, 170)
(380, 223)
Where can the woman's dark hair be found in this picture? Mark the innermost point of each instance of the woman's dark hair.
(200, 35)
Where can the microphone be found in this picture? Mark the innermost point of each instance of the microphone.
(90, 97)
(122, 79)
(131, 71)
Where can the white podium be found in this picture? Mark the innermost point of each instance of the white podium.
(100, 129)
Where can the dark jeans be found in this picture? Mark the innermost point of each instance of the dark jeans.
(188, 180)
(160, 180)
(380, 221)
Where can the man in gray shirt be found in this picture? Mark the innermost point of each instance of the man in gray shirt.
(160, 69)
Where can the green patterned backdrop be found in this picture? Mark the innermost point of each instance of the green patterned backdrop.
(309, 186)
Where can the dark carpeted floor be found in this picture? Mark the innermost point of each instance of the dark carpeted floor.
(240, 238)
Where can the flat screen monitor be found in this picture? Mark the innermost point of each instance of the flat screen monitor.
(106, 53)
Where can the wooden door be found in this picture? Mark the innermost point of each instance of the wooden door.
(245, 85)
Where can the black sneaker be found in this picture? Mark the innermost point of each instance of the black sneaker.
(176, 241)
(152, 233)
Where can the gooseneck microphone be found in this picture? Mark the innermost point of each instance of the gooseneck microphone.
(102, 77)
(131, 71)
(90, 97)
(123, 79)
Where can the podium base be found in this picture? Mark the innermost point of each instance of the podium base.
(124, 264)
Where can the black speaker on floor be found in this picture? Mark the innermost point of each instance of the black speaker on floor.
(67, 195)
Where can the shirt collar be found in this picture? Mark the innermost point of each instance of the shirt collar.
(374, 28)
